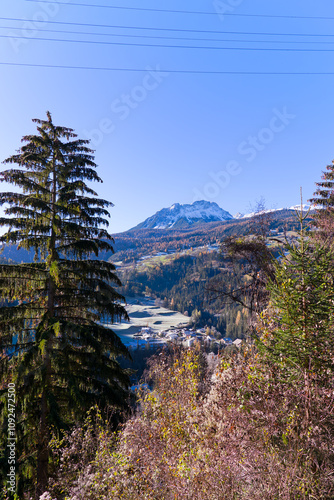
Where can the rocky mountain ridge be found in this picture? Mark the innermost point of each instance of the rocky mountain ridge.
(180, 216)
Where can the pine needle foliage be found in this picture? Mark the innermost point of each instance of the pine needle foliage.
(298, 327)
(54, 346)
(323, 200)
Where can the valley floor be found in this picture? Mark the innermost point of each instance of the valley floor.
(144, 312)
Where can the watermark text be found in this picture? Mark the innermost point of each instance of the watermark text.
(11, 439)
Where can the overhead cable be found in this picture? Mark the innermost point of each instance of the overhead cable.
(172, 11)
(168, 37)
(171, 71)
(151, 28)
(197, 47)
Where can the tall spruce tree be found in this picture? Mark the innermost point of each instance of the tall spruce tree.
(54, 346)
(298, 329)
(323, 200)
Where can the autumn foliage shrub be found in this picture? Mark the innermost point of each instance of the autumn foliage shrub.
(235, 432)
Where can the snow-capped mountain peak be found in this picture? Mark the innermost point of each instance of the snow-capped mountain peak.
(305, 208)
(180, 215)
(238, 215)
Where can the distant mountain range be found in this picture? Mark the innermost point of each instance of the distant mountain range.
(181, 216)
(185, 216)
(176, 228)
(251, 214)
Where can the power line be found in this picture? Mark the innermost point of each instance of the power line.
(183, 11)
(173, 71)
(149, 28)
(196, 47)
(167, 37)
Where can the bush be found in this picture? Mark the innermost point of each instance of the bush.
(232, 434)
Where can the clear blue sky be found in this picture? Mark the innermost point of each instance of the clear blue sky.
(166, 138)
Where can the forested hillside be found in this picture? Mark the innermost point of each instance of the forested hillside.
(183, 285)
(132, 245)
(198, 281)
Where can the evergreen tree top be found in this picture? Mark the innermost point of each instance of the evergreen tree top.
(54, 171)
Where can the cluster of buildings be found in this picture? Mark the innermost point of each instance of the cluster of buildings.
(183, 336)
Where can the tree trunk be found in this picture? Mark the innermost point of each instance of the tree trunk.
(43, 440)
(42, 449)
